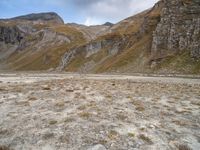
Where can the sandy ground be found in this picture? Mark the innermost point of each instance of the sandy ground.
(98, 112)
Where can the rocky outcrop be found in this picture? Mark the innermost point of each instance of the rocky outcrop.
(111, 45)
(10, 35)
(178, 30)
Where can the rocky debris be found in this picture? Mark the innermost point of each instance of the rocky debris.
(98, 112)
(66, 59)
(178, 30)
(97, 147)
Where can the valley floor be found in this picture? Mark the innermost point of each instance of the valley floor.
(98, 112)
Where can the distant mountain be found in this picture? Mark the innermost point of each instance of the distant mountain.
(91, 32)
(163, 39)
(40, 18)
(108, 24)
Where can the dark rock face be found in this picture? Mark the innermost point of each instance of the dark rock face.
(108, 24)
(10, 35)
(178, 30)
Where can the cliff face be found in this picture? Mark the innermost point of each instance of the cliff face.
(178, 30)
(10, 35)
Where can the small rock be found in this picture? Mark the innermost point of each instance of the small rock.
(97, 147)
(47, 147)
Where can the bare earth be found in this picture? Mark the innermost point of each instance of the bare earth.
(98, 112)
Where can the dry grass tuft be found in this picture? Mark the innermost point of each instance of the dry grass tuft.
(46, 88)
(112, 135)
(82, 107)
(69, 119)
(131, 134)
(183, 147)
(139, 106)
(1, 89)
(32, 98)
(3, 147)
(60, 104)
(52, 122)
(84, 115)
(69, 90)
(145, 138)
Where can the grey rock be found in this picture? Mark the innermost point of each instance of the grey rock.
(10, 35)
(97, 147)
(93, 48)
(178, 30)
(111, 45)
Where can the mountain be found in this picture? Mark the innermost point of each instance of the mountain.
(108, 24)
(163, 39)
(90, 32)
(35, 42)
(49, 17)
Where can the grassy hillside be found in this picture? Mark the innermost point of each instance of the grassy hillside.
(125, 47)
(49, 55)
(133, 37)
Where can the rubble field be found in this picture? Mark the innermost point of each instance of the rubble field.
(98, 112)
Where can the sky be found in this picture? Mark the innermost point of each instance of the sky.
(88, 12)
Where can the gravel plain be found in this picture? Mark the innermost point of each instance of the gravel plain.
(43, 111)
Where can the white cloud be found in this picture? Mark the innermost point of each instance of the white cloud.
(91, 21)
(110, 10)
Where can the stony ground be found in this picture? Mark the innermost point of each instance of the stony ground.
(96, 112)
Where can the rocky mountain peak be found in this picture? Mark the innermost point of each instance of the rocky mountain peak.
(108, 24)
(48, 17)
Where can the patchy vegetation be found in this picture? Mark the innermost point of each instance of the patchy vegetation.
(111, 112)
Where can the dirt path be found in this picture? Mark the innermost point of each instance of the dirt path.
(98, 112)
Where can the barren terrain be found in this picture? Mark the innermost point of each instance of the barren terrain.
(98, 112)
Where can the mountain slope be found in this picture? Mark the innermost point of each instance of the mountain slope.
(29, 44)
(163, 39)
(152, 41)
(128, 42)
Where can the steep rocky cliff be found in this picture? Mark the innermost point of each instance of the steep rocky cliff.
(10, 35)
(178, 30)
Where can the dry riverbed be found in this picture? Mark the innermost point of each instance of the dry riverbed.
(98, 112)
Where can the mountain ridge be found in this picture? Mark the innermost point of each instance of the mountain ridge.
(140, 43)
(44, 16)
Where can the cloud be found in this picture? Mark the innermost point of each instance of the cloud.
(111, 10)
(91, 21)
(87, 12)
